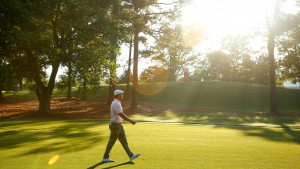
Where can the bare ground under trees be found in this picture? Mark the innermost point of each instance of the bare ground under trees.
(92, 108)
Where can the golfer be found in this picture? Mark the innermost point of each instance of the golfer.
(116, 128)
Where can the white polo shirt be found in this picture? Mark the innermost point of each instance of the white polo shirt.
(115, 109)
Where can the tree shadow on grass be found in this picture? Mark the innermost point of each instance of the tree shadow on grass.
(15, 123)
(289, 132)
(50, 136)
(255, 125)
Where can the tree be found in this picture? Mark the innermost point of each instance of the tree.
(236, 47)
(91, 63)
(67, 17)
(8, 30)
(42, 34)
(7, 80)
(26, 38)
(113, 55)
(261, 69)
(218, 65)
(128, 75)
(271, 46)
(172, 51)
(123, 78)
(69, 82)
(288, 44)
(63, 83)
(146, 12)
(247, 70)
(154, 74)
(140, 7)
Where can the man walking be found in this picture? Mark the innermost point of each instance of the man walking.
(116, 128)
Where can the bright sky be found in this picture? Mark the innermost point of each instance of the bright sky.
(224, 17)
(220, 18)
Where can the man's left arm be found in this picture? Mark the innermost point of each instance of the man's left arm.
(126, 118)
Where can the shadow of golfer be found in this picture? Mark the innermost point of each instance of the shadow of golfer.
(96, 165)
(129, 162)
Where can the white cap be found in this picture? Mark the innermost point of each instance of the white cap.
(117, 92)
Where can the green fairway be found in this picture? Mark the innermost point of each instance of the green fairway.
(167, 140)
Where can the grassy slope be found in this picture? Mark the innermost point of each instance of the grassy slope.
(225, 96)
(81, 143)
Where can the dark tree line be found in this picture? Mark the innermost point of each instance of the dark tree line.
(84, 36)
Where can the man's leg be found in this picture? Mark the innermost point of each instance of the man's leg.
(114, 134)
(123, 141)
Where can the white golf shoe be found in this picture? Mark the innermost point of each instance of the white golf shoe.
(134, 156)
(107, 160)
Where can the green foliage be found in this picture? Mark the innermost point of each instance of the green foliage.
(289, 46)
(29, 85)
(7, 79)
(123, 78)
(62, 84)
(171, 51)
(218, 65)
(154, 74)
(237, 47)
(37, 35)
(262, 70)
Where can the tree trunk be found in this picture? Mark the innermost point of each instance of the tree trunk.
(112, 88)
(271, 46)
(21, 84)
(44, 93)
(135, 70)
(84, 88)
(69, 94)
(128, 71)
(1, 96)
(44, 97)
(112, 77)
(172, 76)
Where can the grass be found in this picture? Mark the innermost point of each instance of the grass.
(225, 96)
(165, 140)
(228, 96)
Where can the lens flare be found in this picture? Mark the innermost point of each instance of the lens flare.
(159, 79)
(53, 159)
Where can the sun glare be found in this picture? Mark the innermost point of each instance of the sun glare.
(225, 17)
